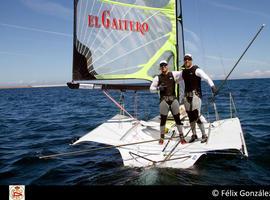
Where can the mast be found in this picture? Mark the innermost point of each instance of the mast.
(182, 27)
(75, 2)
(179, 20)
(177, 56)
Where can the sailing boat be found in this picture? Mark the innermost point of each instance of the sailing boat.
(117, 46)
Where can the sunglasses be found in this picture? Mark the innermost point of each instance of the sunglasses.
(163, 65)
(187, 59)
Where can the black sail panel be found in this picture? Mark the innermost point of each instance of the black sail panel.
(80, 69)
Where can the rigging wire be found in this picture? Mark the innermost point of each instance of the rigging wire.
(146, 109)
(217, 42)
(117, 104)
(122, 102)
(199, 21)
(199, 17)
(135, 106)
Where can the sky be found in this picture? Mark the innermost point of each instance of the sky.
(36, 39)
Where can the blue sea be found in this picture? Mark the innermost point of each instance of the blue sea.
(42, 121)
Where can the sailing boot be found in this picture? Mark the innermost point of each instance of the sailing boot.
(162, 135)
(204, 136)
(193, 129)
(180, 131)
(182, 139)
(161, 140)
(193, 138)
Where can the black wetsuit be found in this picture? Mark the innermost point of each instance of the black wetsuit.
(192, 87)
(166, 81)
(168, 98)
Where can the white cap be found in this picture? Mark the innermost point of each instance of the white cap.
(163, 62)
(188, 55)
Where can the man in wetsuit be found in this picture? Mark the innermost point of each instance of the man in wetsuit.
(165, 84)
(192, 76)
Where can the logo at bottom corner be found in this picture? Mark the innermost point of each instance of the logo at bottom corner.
(16, 192)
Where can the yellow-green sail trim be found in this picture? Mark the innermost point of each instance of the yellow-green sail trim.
(167, 8)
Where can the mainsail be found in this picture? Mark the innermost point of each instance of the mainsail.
(122, 41)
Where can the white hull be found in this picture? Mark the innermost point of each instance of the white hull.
(121, 130)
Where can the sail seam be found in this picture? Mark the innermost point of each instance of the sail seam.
(122, 39)
(132, 50)
(112, 31)
(121, 70)
(95, 35)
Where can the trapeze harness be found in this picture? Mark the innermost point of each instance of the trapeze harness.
(193, 93)
(168, 100)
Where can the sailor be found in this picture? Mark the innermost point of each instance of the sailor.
(165, 84)
(192, 76)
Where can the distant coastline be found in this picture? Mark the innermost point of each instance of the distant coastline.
(30, 86)
(236, 79)
(15, 87)
(48, 85)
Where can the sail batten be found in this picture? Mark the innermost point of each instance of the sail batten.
(123, 39)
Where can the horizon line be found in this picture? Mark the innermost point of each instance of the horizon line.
(48, 85)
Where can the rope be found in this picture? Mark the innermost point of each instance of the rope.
(96, 149)
(117, 104)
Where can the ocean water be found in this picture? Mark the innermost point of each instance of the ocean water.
(41, 121)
